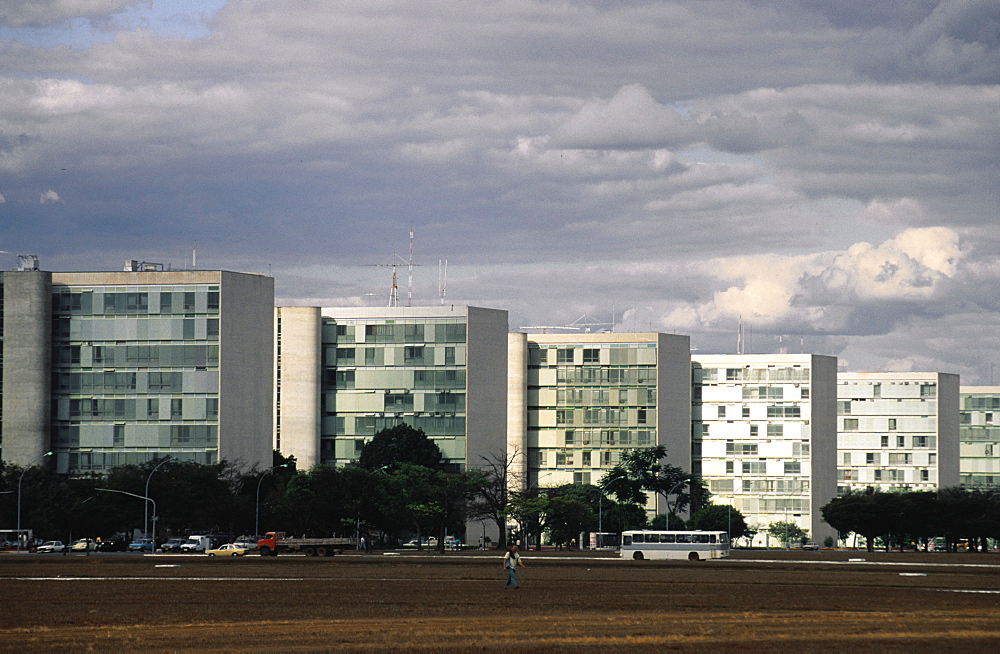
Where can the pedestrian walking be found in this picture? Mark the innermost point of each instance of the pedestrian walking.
(510, 562)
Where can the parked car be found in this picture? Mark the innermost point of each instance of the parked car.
(141, 545)
(51, 546)
(84, 545)
(196, 544)
(229, 549)
(112, 545)
(173, 545)
(810, 546)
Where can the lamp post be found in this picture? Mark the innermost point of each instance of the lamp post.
(141, 497)
(666, 516)
(19, 480)
(256, 518)
(145, 517)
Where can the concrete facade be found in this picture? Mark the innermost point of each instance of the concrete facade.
(297, 391)
(764, 434)
(897, 431)
(25, 432)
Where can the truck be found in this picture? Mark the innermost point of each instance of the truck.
(276, 541)
(196, 544)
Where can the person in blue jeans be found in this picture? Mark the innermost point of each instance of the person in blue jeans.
(510, 562)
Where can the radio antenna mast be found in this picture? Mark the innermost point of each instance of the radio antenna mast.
(442, 279)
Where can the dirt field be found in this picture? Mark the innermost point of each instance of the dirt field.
(805, 601)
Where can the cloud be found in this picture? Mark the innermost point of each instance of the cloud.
(49, 197)
(18, 13)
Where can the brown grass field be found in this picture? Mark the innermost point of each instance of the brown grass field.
(755, 601)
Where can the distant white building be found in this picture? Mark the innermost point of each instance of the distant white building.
(764, 436)
(897, 431)
(979, 433)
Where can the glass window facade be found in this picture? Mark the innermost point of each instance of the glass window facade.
(379, 373)
(979, 435)
(135, 375)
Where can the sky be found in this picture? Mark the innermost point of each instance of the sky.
(826, 172)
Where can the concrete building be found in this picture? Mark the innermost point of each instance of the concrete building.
(114, 368)
(764, 436)
(577, 401)
(897, 431)
(979, 436)
(344, 374)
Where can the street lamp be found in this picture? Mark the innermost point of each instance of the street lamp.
(145, 516)
(141, 497)
(19, 480)
(256, 518)
(666, 516)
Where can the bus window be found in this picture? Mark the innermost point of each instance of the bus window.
(666, 538)
(638, 538)
(699, 538)
(628, 540)
(684, 538)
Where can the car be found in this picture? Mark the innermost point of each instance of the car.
(51, 546)
(84, 545)
(229, 549)
(810, 546)
(141, 545)
(112, 545)
(173, 545)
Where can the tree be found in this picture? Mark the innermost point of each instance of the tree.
(394, 446)
(787, 532)
(869, 514)
(641, 470)
(716, 517)
(492, 483)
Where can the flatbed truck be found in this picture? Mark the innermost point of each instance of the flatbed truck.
(274, 542)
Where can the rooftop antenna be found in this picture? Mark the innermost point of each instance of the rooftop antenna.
(409, 271)
(739, 336)
(194, 256)
(442, 279)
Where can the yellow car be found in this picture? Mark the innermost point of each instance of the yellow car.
(229, 549)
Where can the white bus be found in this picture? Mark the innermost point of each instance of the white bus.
(690, 545)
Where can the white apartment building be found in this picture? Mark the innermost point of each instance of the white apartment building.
(577, 401)
(764, 436)
(979, 435)
(897, 431)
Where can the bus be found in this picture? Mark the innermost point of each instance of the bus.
(690, 545)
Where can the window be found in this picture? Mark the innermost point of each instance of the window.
(176, 408)
(775, 431)
(925, 475)
(901, 441)
(729, 467)
(568, 437)
(885, 441)
(741, 449)
(846, 459)
(746, 412)
(591, 355)
(793, 467)
(900, 458)
(754, 467)
(850, 424)
(805, 393)
(564, 458)
(412, 353)
(449, 356)
(892, 424)
(872, 458)
(920, 441)
(753, 431)
(564, 355)
(586, 458)
(564, 416)
(642, 417)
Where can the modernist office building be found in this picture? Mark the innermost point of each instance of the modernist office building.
(764, 436)
(897, 431)
(979, 436)
(578, 401)
(113, 368)
(344, 374)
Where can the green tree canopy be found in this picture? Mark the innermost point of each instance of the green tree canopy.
(394, 446)
(787, 532)
(716, 517)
